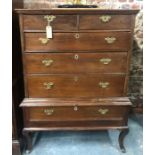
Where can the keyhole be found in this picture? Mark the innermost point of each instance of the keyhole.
(76, 56)
(76, 78)
(77, 36)
(75, 108)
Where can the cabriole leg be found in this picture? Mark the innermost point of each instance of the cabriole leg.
(28, 140)
(122, 135)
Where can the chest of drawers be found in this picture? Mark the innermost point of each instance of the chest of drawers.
(78, 79)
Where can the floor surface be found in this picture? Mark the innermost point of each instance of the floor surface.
(90, 143)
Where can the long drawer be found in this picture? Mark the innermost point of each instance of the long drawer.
(78, 112)
(108, 62)
(105, 41)
(75, 113)
(75, 85)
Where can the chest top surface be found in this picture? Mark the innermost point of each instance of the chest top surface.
(75, 11)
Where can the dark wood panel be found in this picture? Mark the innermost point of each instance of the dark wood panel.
(84, 41)
(107, 62)
(39, 22)
(75, 85)
(17, 97)
(105, 22)
(17, 83)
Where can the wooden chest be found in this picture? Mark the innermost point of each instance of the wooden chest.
(78, 79)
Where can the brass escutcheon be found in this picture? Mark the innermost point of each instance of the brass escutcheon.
(105, 61)
(75, 108)
(76, 78)
(76, 56)
(105, 19)
(77, 36)
(50, 18)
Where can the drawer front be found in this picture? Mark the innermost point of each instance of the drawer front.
(60, 22)
(76, 62)
(76, 113)
(92, 85)
(105, 41)
(105, 22)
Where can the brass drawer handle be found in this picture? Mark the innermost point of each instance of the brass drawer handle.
(105, 19)
(47, 62)
(44, 41)
(105, 61)
(50, 18)
(103, 111)
(77, 36)
(48, 112)
(104, 84)
(110, 40)
(48, 85)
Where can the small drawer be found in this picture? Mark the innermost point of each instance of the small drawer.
(108, 62)
(58, 22)
(105, 22)
(75, 85)
(105, 41)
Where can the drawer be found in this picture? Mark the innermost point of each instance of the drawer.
(82, 113)
(76, 85)
(60, 22)
(105, 41)
(105, 22)
(76, 113)
(108, 62)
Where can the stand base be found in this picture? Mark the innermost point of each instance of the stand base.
(27, 134)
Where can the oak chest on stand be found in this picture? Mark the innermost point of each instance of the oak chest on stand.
(76, 65)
